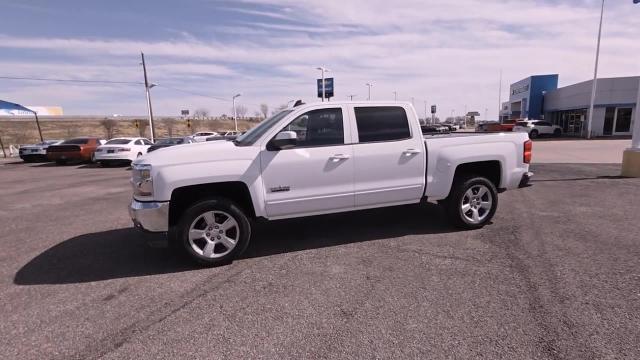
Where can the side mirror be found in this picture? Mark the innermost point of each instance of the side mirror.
(284, 140)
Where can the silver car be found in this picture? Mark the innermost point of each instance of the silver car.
(36, 152)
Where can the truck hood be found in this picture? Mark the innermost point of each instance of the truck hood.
(197, 153)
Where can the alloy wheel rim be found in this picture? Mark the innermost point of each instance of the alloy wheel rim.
(214, 234)
(476, 204)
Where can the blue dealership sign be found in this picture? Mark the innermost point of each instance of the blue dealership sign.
(328, 88)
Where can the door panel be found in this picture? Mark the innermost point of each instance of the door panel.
(387, 170)
(308, 180)
(315, 176)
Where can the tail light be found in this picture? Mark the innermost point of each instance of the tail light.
(528, 149)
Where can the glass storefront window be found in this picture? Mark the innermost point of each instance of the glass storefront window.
(623, 120)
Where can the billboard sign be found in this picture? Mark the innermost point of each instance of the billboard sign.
(184, 112)
(40, 110)
(328, 88)
(433, 109)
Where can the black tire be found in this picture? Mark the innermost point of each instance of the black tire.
(61, 162)
(180, 234)
(534, 134)
(557, 132)
(454, 202)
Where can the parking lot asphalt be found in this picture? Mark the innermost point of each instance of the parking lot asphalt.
(555, 276)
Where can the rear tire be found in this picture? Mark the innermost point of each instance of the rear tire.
(212, 232)
(534, 134)
(472, 202)
(557, 132)
(61, 162)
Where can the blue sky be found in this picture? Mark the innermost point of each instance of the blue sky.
(444, 52)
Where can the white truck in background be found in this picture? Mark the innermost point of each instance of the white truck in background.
(317, 159)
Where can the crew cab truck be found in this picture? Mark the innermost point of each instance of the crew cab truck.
(317, 159)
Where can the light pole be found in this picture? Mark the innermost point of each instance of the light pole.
(369, 85)
(595, 75)
(425, 111)
(235, 116)
(322, 70)
(351, 97)
(631, 156)
(148, 86)
(395, 96)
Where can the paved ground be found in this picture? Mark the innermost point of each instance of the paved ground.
(609, 151)
(556, 276)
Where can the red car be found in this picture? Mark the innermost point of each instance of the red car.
(74, 150)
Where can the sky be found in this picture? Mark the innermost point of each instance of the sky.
(202, 52)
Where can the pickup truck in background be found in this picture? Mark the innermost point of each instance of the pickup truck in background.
(317, 159)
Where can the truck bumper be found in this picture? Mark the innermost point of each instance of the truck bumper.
(524, 182)
(150, 216)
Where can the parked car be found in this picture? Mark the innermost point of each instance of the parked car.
(431, 129)
(121, 150)
(36, 152)
(318, 159)
(202, 136)
(167, 142)
(229, 135)
(494, 126)
(77, 149)
(537, 128)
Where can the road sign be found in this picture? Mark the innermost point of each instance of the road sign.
(184, 112)
(328, 88)
(433, 109)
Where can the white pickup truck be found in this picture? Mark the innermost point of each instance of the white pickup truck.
(317, 159)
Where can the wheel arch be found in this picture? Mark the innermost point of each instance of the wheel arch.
(183, 197)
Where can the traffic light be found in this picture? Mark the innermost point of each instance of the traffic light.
(137, 124)
(189, 123)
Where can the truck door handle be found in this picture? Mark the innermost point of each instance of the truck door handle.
(409, 152)
(338, 157)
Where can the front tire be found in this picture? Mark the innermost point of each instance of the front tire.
(534, 134)
(472, 202)
(213, 232)
(557, 132)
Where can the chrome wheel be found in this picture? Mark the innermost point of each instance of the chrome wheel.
(476, 204)
(214, 234)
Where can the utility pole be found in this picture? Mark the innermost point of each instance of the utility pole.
(369, 85)
(395, 96)
(595, 75)
(148, 86)
(351, 97)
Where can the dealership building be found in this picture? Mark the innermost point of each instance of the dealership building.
(538, 97)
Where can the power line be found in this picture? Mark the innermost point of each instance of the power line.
(72, 80)
(193, 93)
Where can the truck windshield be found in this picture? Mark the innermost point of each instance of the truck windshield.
(250, 137)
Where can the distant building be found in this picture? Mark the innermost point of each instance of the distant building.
(538, 97)
(614, 107)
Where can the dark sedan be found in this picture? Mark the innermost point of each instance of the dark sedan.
(166, 142)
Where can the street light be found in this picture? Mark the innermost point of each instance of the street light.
(595, 75)
(395, 96)
(351, 97)
(369, 85)
(631, 156)
(235, 116)
(322, 70)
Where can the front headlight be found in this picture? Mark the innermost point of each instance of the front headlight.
(141, 180)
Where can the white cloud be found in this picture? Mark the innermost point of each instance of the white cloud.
(449, 53)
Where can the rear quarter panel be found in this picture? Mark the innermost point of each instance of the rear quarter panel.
(445, 154)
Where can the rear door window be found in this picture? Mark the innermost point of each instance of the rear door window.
(382, 123)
